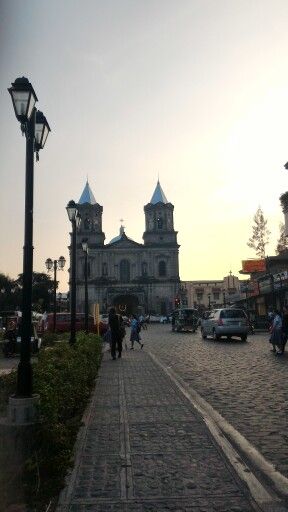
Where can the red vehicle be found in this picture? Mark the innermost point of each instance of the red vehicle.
(63, 323)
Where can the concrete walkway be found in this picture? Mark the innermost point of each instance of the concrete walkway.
(145, 448)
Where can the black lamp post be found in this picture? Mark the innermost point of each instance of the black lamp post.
(55, 265)
(281, 289)
(85, 249)
(36, 130)
(273, 290)
(209, 300)
(75, 220)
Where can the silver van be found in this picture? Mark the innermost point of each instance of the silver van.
(225, 322)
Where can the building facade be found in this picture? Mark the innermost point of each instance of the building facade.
(134, 277)
(207, 294)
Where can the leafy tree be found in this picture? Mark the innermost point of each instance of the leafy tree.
(42, 289)
(282, 243)
(260, 236)
(8, 293)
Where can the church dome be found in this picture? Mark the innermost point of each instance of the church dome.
(121, 235)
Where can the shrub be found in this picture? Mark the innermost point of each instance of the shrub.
(63, 377)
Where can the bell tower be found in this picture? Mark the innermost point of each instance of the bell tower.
(91, 218)
(159, 223)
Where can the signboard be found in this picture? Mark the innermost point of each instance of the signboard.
(250, 266)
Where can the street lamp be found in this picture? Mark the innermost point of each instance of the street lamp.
(85, 249)
(209, 300)
(75, 220)
(281, 287)
(55, 265)
(24, 99)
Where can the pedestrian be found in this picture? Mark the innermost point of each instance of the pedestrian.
(142, 322)
(116, 336)
(284, 326)
(135, 332)
(276, 338)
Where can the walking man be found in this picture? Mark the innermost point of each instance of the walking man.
(116, 335)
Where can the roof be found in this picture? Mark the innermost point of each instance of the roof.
(122, 236)
(87, 195)
(158, 196)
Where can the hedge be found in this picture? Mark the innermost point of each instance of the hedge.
(63, 376)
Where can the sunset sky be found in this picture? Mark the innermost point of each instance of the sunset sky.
(195, 91)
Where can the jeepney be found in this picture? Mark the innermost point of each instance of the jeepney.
(185, 319)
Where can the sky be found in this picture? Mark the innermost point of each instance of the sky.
(194, 91)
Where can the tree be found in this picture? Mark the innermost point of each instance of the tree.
(8, 293)
(282, 243)
(260, 236)
(42, 289)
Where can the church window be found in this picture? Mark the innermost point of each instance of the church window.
(124, 271)
(162, 268)
(104, 269)
(87, 223)
(159, 222)
(144, 268)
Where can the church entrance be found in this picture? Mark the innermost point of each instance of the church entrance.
(126, 304)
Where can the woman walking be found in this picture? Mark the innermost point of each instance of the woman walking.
(276, 338)
(135, 330)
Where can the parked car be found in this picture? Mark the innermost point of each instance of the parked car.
(185, 319)
(63, 323)
(154, 319)
(225, 322)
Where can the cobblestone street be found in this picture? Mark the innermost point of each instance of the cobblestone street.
(245, 382)
(144, 447)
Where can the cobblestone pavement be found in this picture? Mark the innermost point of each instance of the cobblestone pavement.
(244, 382)
(145, 448)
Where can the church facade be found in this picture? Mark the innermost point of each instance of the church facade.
(133, 277)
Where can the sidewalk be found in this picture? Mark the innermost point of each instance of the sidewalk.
(145, 448)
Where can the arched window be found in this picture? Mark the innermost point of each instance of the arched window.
(159, 222)
(162, 268)
(87, 223)
(124, 271)
(144, 268)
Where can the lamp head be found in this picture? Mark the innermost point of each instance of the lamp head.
(71, 210)
(49, 264)
(61, 262)
(85, 247)
(42, 130)
(23, 99)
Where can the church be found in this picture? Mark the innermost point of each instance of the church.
(133, 277)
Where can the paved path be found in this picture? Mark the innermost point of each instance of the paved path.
(244, 382)
(144, 448)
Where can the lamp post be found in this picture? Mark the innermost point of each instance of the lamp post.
(75, 220)
(273, 290)
(36, 129)
(55, 265)
(85, 249)
(281, 286)
(209, 300)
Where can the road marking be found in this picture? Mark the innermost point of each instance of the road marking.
(219, 426)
